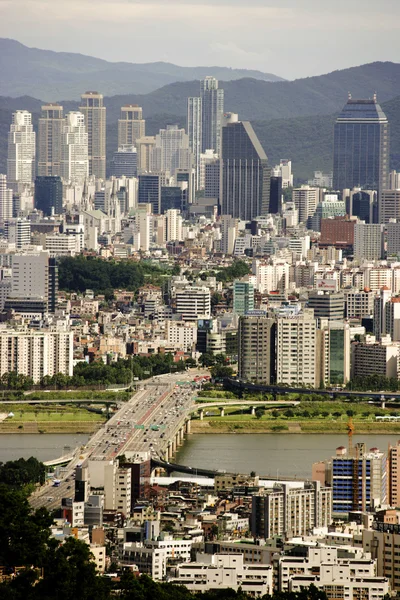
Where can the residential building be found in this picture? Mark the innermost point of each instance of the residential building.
(174, 225)
(393, 475)
(61, 244)
(291, 511)
(306, 199)
(51, 125)
(171, 151)
(256, 354)
(375, 358)
(229, 232)
(181, 334)
(361, 147)
(74, 149)
(95, 121)
(49, 195)
(6, 200)
(21, 151)
(245, 174)
(392, 238)
(212, 108)
(145, 146)
(296, 351)
(131, 125)
(194, 130)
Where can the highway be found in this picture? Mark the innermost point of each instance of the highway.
(142, 424)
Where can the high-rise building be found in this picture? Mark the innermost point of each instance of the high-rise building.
(229, 231)
(335, 352)
(393, 238)
(364, 205)
(150, 190)
(256, 359)
(49, 195)
(275, 195)
(296, 351)
(306, 200)
(212, 107)
(194, 303)
(194, 130)
(290, 511)
(368, 241)
(390, 205)
(95, 122)
(171, 151)
(145, 146)
(74, 149)
(18, 232)
(245, 174)
(337, 232)
(393, 475)
(6, 200)
(361, 146)
(375, 359)
(243, 296)
(124, 162)
(34, 276)
(21, 150)
(327, 305)
(51, 125)
(131, 125)
(174, 225)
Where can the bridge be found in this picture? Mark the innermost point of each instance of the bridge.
(63, 460)
(240, 385)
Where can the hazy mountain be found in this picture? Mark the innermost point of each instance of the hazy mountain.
(49, 75)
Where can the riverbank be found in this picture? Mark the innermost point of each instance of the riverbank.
(50, 419)
(215, 426)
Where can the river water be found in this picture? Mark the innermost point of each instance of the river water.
(43, 447)
(275, 454)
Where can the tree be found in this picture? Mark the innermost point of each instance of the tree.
(259, 412)
(221, 371)
(207, 359)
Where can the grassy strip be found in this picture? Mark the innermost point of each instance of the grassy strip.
(285, 426)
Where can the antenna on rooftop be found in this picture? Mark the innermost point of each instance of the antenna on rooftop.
(349, 95)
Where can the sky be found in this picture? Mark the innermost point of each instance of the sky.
(290, 38)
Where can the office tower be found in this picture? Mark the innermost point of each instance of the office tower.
(18, 232)
(174, 225)
(209, 157)
(358, 481)
(172, 197)
(74, 149)
(323, 180)
(393, 238)
(49, 195)
(193, 303)
(327, 305)
(36, 353)
(6, 200)
(229, 231)
(296, 351)
(290, 511)
(245, 174)
(390, 205)
(330, 206)
(363, 204)
(185, 179)
(150, 190)
(243, 297)
(51, 125)
(21, 150)
(284, 171)
(131, 125)
(361, 146)
(275, 195)
(212, 108)
(95, 122)
(381, 302)
(368, 241)
(335, 352)
(194, 130)
(171, 151)
(124, 162)
(306, 200)
(256, 343)
(394, 180)
(145, 146)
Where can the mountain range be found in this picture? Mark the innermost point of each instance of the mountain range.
(46, 74)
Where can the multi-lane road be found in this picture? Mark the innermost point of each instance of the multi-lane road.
(143, 424)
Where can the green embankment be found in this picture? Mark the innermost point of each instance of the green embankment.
(49, 419)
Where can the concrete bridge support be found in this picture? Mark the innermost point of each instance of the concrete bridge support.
(222, 411)
(253, 410)
(182, 434)
(201, 414)
(188, 427)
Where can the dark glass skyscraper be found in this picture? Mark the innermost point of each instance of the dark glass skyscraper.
(361, 146)
(49, 195)
(245, 174)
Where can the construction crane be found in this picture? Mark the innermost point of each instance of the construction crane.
(350, 431)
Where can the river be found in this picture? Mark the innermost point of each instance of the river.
(275, 454)
(43, 447)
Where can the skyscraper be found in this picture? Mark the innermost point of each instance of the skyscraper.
(124, 162)
(49, 195)
(74, 148)
(6, 200)
(245, 174)
(194, 130)
(361, 146)
(21, 150)
(171, 151)
(131, 125)
(95, 121)
(212, 107)
(257, 349)
(49, 149)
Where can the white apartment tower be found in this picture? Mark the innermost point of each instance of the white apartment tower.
(131, 125)
(174, 225)
(74, 149)
(21, 150)
(171, 151)
(296, 351)
(95, 120)
(194, 129)
(305, 199)
(51, 125)
(6, 200)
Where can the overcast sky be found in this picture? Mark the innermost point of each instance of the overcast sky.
(291, 38)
